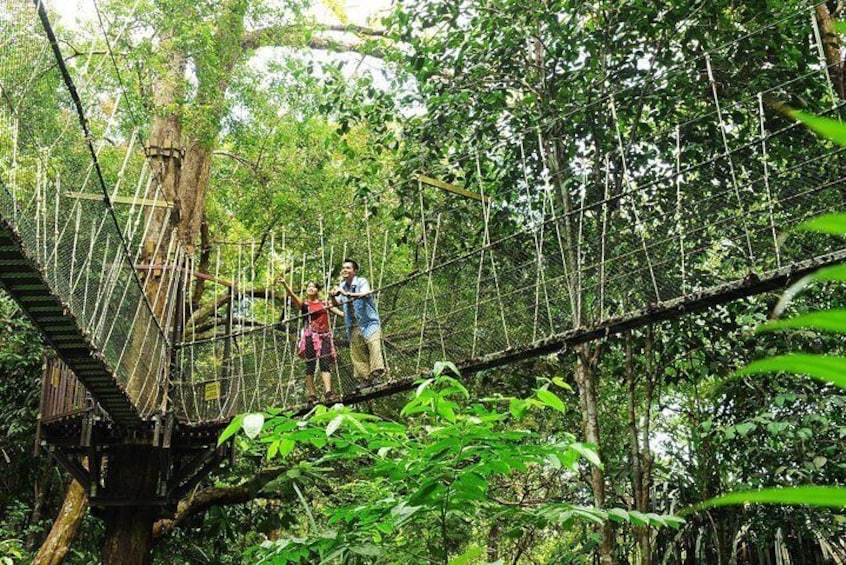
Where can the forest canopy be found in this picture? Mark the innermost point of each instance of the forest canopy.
(592, 208)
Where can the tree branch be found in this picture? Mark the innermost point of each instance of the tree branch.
(221, 496)
(293, 36)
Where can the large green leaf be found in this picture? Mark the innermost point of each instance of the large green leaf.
(825, 368)
(231, 429)
(827, 497)
(834, 130)
(826, 223)
(827, 320)
(835, 273)
(551, 400)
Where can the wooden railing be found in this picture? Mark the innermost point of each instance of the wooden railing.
(62, 394)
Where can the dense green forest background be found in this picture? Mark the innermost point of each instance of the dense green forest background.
(290, 121)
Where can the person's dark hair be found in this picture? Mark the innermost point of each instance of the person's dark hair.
(354, 264)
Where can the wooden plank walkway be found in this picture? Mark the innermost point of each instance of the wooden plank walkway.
(24, 279)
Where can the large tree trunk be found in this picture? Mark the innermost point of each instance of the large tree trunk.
(132, 475)
(55, 547)
(586, 365)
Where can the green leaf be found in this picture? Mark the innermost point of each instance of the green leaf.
(439, 367)
(638, 518)
(558, 381)
(828, 128)
(334, 425)
(618, 515)
(776, 428)
(447, 410)
(286, 446)
(423, 492)
(518, 408)
(744, 428)
(835, 273)
(656, 519)
(826, 497)
(588, 451)
(828, 223)
(272, 449)
(829, 369)
(231, 429)
(367, 550)
(551, 400)
(674, 522)
(467, 557)
(423, 386)
(827, 320)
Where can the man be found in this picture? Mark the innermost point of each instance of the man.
(364, 329)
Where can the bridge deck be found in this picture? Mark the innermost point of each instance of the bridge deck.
(23, 278)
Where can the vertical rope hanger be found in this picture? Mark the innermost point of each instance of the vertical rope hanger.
(13, 172)
(272, 315)
(367, 233)
(678, 213)
(553, 214)
(750, 257)
(580, 245)
(626, 179)
(478, 292)
(430, 292)
(216, 298)
(424, 236)
(537, 235)
(766, 167)
(604, 235)
(486, 209)
(257, 350)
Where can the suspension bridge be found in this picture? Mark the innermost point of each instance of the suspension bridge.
(657, 227)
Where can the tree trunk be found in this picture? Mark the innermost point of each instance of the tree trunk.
(43, 491)
(639, 487)
(831, 48)
(132, 475)
(55, 547)
(586, 365)
(493, 542)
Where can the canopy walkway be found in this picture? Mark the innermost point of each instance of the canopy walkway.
(697, 220)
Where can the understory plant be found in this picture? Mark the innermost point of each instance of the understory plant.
(825, 368)
(430, 488)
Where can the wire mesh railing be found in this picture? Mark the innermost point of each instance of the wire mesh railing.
(58, 171)
(639, 220)
(702, 201)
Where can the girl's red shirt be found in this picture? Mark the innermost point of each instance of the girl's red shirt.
(318, 315)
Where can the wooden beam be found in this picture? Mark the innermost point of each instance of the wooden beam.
(119, 199)
(450, 188)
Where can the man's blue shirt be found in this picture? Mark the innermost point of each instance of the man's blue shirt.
(364, 309)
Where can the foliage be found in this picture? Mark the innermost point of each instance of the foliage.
(449, 470)
(828, 369)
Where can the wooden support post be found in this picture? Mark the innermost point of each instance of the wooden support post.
(76, 470)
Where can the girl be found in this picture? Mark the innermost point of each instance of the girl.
(317, 337)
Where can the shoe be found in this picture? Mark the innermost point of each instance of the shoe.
(311, 400)
(376, 377)
(331, 397)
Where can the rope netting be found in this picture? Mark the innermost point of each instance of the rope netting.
(59, 181)
(704, 200)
